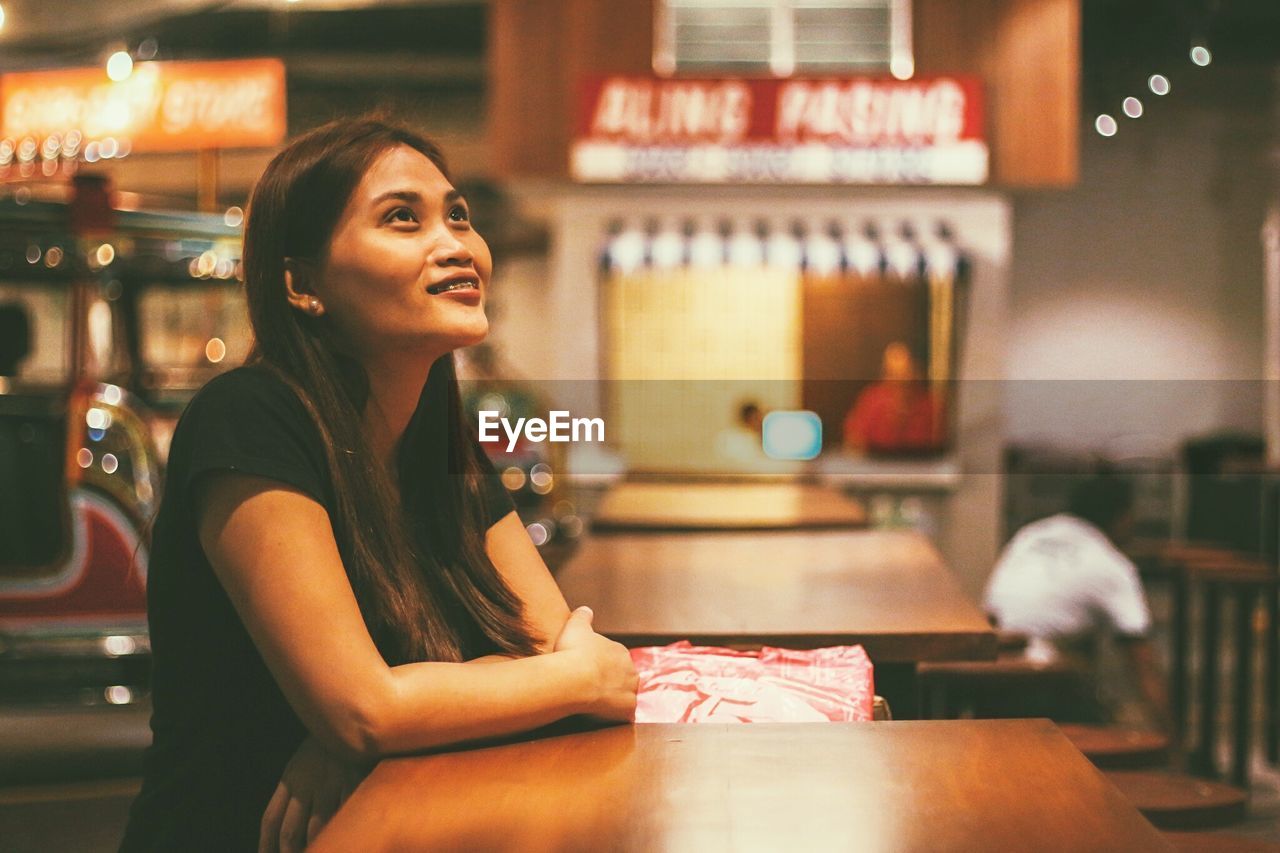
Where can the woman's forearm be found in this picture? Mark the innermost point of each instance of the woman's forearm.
(436, 704)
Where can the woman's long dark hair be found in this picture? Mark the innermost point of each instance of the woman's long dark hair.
(425, 586)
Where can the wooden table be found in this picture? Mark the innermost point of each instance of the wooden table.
(725, 506)
(902, 786)
(888, 590)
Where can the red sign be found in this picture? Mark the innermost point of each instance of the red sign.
(161, 106)
(850, 130)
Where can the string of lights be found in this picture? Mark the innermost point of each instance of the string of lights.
(1157, 84)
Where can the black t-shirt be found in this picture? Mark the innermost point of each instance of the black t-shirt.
(222, 730)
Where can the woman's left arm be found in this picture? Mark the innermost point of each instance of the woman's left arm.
(518, 562)
(316, 782)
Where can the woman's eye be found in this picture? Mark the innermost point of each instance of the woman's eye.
(401, 214)
(459, 213)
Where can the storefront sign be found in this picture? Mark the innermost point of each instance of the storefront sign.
(161, 106)
(850, 130)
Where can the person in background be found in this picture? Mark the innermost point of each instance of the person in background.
(742, 442)
(15, 338)
(898, 413)
(1063, 581)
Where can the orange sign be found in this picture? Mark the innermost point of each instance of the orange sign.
(161, 106)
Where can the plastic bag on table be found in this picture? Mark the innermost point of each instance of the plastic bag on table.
(684, 683)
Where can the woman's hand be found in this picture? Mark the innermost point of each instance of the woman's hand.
(612, 675)
(314, 783)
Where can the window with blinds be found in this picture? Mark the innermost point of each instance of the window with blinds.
(783, 37)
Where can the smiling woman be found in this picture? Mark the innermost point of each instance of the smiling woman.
(334, 555)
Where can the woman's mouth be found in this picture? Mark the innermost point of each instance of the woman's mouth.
(453, 285)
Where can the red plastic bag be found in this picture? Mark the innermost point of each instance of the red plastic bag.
(684, 683)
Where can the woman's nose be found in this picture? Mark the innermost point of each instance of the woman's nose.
(449, 250)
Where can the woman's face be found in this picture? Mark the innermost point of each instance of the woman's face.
(406, 274)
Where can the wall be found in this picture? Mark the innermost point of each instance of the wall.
(1145, 282)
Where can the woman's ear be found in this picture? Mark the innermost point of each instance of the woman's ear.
(298, 287)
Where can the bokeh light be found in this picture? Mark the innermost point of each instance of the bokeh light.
(1158, 84)
(1200, 55)
(539, 533)
(215, 350)
(1106, 125)
(513, 478)
(1132, 107)
(119, 65)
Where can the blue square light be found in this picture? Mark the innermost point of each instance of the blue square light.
(792, 435)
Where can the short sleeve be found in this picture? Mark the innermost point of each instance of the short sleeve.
(1120, 594)
(497, 500)
(249, 421)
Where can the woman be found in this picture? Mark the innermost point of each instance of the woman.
(336, 573)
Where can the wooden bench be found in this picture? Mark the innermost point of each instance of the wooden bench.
(1175, 801)
(1118, 747)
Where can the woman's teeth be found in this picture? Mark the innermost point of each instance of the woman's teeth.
(453, 285)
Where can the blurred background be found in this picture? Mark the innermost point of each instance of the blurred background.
(1052, 227)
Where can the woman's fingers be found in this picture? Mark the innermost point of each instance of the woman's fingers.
(577, 629)
(323, 807)
(269, 829)
(293, 829)
(314, 824)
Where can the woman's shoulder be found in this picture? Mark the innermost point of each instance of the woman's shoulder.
(245, 391)
(250, 379)
(250, 419)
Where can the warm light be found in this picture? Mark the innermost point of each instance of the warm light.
(84, 457)
(206, 263)
(106, 254)
(91, 151)
(120, 65)
(117, 645)
(96, 418)
(33, 254)
(902, 67)
(542, 485)
(1132, 107)
(110, 463)
(53, 257)
(215, 350)
(1159, 84)
(1200, 55)
(111, 395)
(513, 479)
(1106, 125)
(118, 694)
(233, 217)
(1, 17)
(108, 148)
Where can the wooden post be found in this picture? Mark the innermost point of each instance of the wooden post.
(207, 180)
